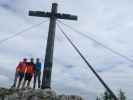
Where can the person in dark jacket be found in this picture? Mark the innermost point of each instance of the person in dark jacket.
(37, 73)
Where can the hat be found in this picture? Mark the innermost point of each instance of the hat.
(25, 59)
(31, 58)
(37, 59)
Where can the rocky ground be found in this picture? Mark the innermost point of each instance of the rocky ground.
(30, 94)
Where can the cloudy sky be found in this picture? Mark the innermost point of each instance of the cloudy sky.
(108, 21)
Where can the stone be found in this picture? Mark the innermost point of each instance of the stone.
(32, 94)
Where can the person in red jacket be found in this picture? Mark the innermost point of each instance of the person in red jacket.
(19, 72)
(29, 72)
(22, 69)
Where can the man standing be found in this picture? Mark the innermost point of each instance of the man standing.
(29, 73)
(22, 67)
(19, 73)
(37, 73)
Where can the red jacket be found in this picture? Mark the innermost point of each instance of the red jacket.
(21, 67)
(30, 68)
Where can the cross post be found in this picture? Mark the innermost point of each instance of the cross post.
(48, 63)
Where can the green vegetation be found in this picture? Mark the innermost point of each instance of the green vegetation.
(107, 96)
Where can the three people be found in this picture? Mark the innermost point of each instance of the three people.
(25, 71)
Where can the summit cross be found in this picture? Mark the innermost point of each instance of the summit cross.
(48, 63)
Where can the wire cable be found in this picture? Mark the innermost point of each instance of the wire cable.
(21, 32)
(99, 43)
(88, 64)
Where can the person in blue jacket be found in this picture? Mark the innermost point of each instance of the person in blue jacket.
(37, 73)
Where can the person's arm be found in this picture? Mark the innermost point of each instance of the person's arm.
(34, 67)
(18, 67)
(40, 66)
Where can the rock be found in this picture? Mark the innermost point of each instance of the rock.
(31, 94)
(72, 97)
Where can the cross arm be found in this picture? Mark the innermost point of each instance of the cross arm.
(48, 14)
(39, 14)
(66, 16)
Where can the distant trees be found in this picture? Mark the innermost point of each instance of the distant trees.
(106, 96)
(98, 98)
(122, 95)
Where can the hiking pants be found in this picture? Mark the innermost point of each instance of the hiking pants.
(37, 74)
(21, 76)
